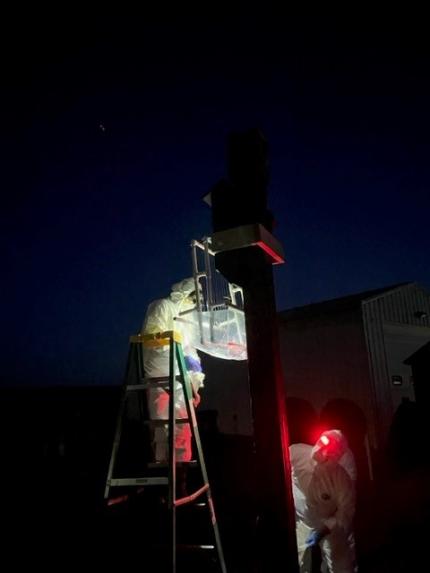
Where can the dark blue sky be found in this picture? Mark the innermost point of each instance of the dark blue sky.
(96, 221)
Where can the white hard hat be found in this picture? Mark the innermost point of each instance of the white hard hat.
(184, 287)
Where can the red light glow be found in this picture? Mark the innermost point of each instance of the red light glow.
(325, 440)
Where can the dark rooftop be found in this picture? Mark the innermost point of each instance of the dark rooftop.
(337, 304)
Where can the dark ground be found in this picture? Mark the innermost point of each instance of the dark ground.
(56, 448)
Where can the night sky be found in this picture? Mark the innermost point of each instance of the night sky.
(114, 129)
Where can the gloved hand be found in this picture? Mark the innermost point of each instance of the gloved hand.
(196, 380)
(316, 536)
(192, 364)
(196, 399)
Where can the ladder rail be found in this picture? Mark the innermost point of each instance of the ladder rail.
(196, 435)
(118, 425)
(172, 452)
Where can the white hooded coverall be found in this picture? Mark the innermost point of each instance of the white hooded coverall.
(324, 497)
(160, 317)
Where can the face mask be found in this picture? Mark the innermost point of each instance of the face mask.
(187, 304)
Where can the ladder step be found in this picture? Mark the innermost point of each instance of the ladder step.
(146, 383)
(141, 387)
(119, 482)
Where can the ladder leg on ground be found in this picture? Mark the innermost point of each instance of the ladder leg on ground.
(196, 435)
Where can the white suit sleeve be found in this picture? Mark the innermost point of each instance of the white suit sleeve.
(188, 332)
(345, 498)
(300, 460)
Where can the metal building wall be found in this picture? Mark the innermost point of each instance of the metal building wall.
(397, 306)
(325, 358)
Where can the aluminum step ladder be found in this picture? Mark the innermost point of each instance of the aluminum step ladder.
(177, 371)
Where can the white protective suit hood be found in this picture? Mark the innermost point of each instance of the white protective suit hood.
(331, 445)
(181, 291)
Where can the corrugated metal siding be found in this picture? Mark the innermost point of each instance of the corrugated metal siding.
(401, 304)
(380, 398)
(398, 306)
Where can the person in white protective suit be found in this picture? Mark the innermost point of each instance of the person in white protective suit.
(323, 481)
(161, 316)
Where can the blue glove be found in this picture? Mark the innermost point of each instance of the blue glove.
(192, 364)
(316, 536)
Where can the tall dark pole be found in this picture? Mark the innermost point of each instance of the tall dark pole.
(242, 239)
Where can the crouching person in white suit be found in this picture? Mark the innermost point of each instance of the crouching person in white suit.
(323, 480)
